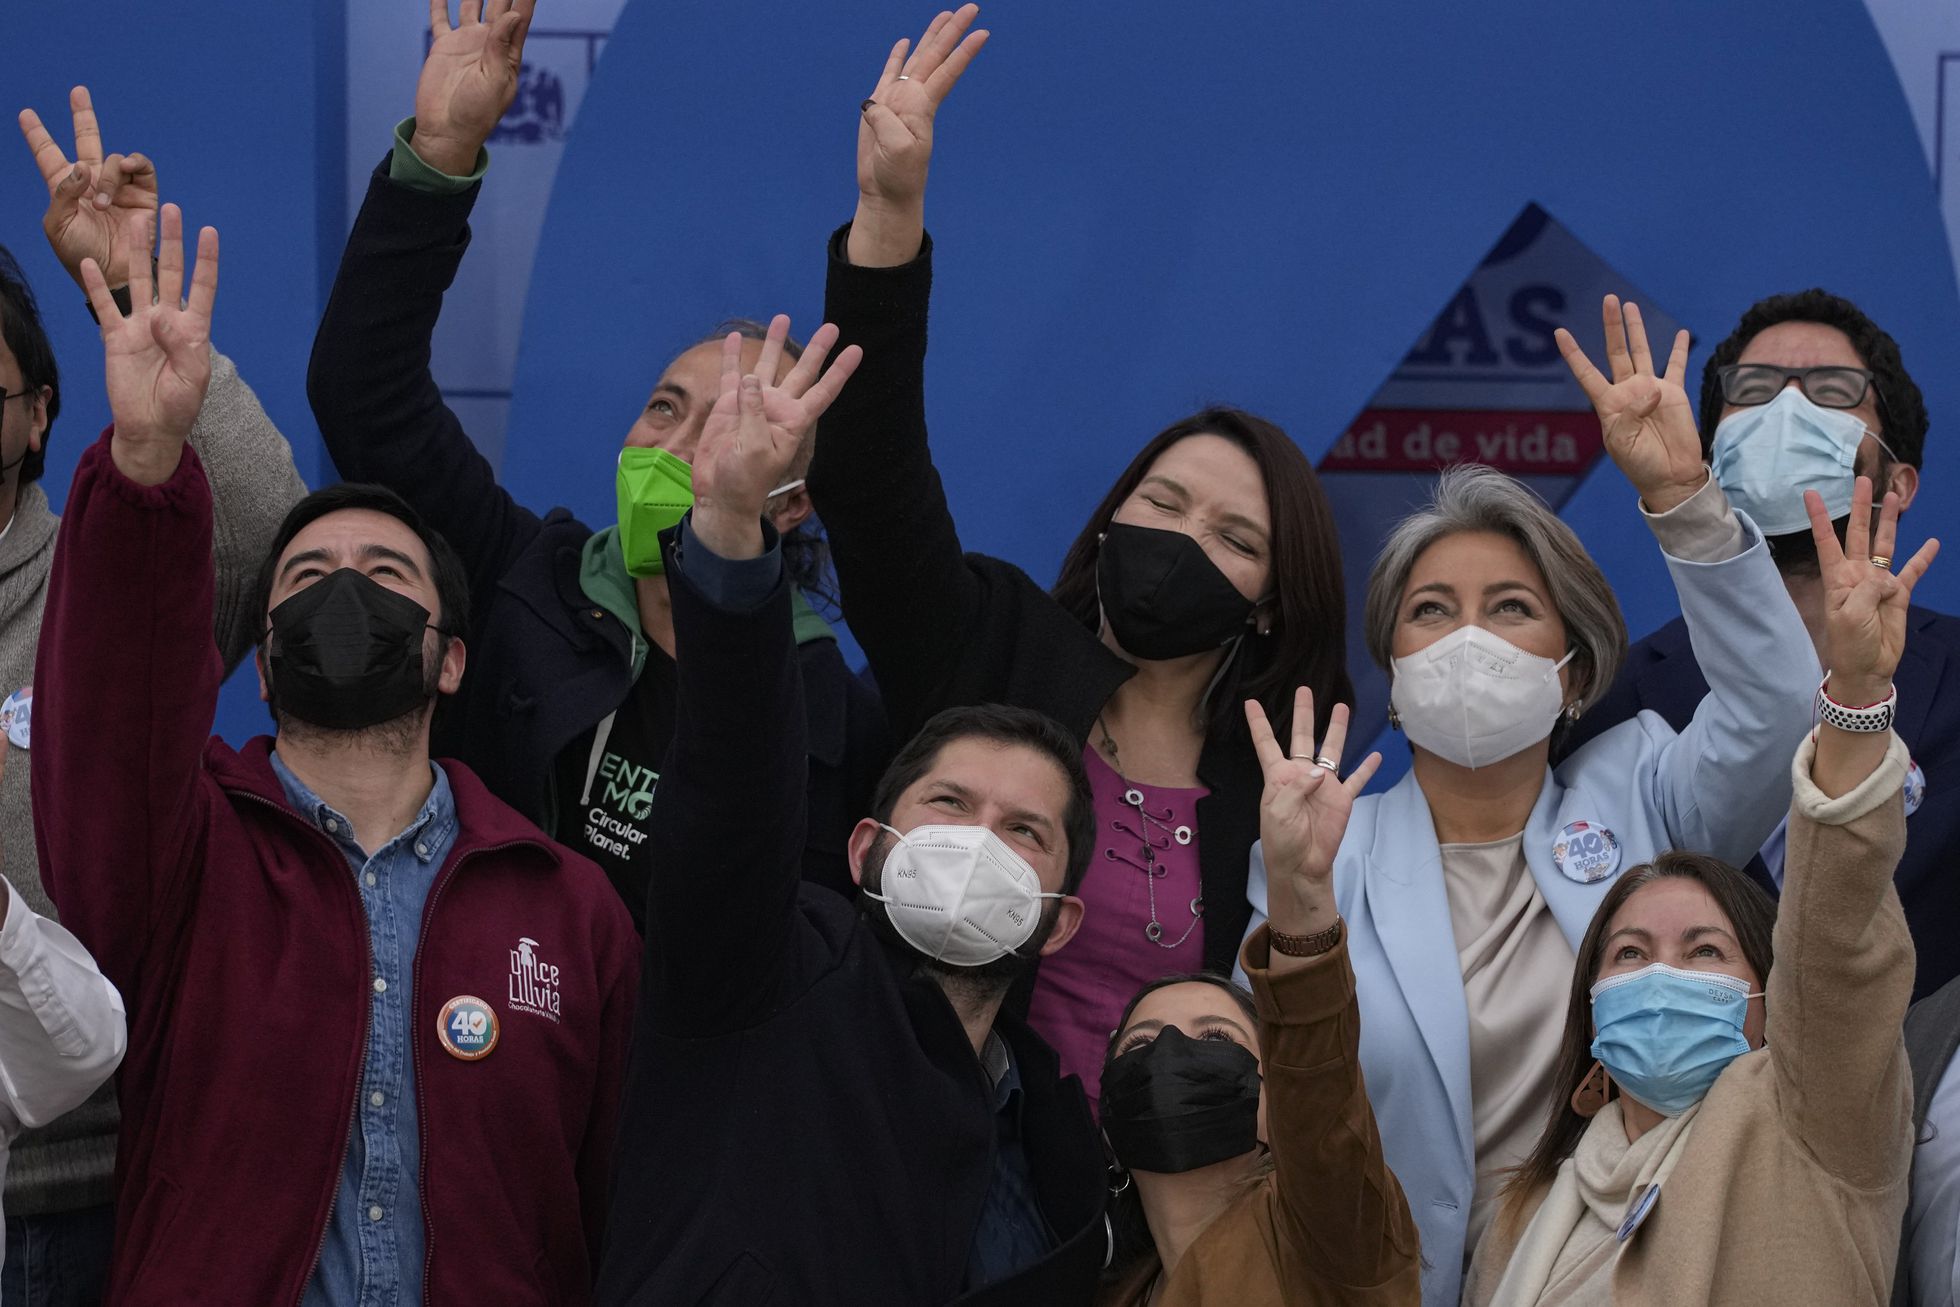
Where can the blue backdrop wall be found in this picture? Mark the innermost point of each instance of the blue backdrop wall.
(1138, 211)
(1265, 205)
(228, 98)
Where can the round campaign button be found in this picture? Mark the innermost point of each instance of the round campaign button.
(1915, 786)
(16, 715)
(467, 1028)
(1586, 851)
(1639, 1211)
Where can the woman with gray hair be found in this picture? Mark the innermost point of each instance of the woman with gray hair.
(1467, 886)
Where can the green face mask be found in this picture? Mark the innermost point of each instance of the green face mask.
(655, 491)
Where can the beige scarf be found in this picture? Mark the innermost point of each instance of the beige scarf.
(1568, 1250)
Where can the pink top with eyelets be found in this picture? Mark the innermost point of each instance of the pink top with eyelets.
(1081, 990)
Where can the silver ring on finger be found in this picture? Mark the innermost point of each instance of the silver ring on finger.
(1326, 764)
(904, 77)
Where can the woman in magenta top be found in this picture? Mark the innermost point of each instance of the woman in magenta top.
(1209, 574)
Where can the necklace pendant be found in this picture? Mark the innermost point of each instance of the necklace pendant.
(1154, 932)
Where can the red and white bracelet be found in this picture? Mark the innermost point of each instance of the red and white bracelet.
(1860, 718)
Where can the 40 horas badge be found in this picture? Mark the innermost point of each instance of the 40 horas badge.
(1586, 851)
(467, 1028)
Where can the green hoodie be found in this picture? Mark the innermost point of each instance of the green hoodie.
(602, 575)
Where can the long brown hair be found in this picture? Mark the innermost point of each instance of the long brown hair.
(1752, 913)
(1308, 641)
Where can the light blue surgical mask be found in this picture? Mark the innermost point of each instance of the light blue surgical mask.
(1664, 1034)
(1767, 455)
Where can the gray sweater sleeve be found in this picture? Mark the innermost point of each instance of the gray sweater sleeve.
(253, 483)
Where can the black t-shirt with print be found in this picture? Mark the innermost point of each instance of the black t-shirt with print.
(608, 822)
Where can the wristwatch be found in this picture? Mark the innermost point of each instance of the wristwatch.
(1306, 946)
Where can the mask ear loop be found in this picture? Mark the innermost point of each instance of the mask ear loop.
(1571, 710)
(1593, 1093)
(1231, 652)
(1102, 614)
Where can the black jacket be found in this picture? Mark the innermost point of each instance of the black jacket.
(804, 1120)
(1661, 674)
(942, 628)
(545, 663)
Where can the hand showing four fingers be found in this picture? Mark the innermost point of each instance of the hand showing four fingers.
(468, 79)
(895, 137)
(90, 199)
(1303, 812)
(1864, 603)
(755, 431)
(895, 133)
(157, 361)
(1648, 424)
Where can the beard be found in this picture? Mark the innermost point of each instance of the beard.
(1795, 555)
(987, 981)
(394, 737)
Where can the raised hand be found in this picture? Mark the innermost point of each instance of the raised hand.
(895, 137)
(1648, 423)
(1864, 603)
(468, 80)
(1303, 812)
(91, 198)
(158, 359)
(754, 431)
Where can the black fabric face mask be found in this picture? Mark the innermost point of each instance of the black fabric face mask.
(1162, 596)
(1176, 1104)
(346, 653)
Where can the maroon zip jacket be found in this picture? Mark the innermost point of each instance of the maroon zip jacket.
(236, 934)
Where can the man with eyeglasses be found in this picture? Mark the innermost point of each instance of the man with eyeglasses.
(1807, 393)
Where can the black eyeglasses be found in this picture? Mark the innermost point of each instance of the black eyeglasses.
(1832, 387)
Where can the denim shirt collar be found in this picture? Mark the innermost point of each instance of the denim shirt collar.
(437, 816)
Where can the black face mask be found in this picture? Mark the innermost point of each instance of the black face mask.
(1176, 1104)
(346, 653)
(1162, 596)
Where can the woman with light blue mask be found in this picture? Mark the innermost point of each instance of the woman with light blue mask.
(1467, 886)
(1725, 1131)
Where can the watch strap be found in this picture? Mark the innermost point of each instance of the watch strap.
(1861, 719)
(1306, 946)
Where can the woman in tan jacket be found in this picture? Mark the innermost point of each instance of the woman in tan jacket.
(1199, 1072)
(1737, 1133)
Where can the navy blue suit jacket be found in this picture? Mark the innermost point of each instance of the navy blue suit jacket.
(1661, 675)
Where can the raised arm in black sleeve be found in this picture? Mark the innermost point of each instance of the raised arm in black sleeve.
(380, 412)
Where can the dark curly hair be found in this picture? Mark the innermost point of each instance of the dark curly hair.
(27, 340)
(1901, 408)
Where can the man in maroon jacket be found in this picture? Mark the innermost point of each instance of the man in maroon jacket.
(377, 1020)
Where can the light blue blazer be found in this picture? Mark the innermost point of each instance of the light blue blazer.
(1719, 787)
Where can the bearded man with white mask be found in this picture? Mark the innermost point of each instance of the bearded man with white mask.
(826, 1103)
(1808, 393)
(1465, 888)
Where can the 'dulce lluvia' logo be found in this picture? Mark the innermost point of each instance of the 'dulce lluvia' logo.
(533, 982)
